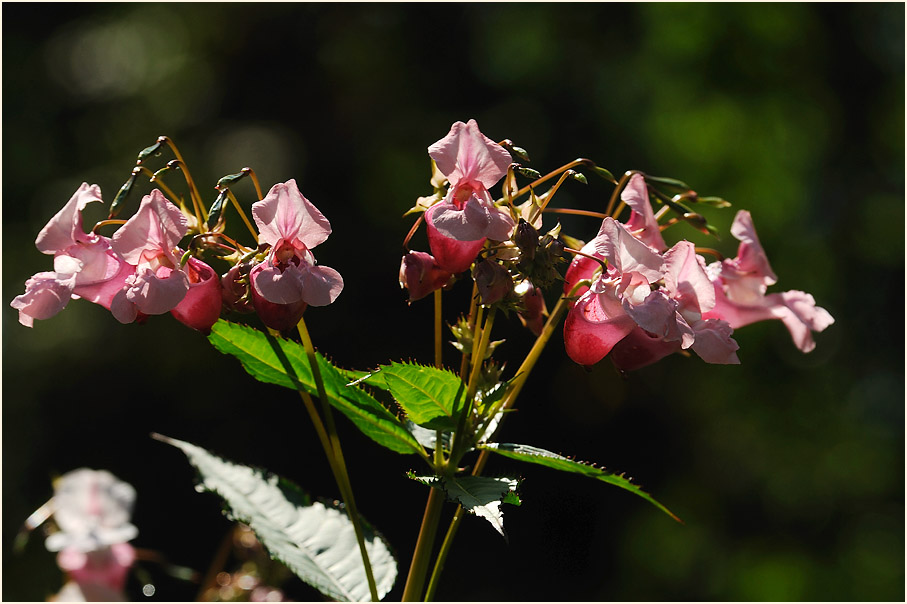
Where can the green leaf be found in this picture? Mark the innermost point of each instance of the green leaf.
(315, 541)
(430, 396)
(481, 496)
(283, 362)
(564, 464)
(606, 174)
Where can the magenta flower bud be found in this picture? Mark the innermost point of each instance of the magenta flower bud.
(281, 317)
(533, 312)
(201, 307)
(420, 275)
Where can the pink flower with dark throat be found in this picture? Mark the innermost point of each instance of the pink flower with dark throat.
(459, 225)
(292, 226)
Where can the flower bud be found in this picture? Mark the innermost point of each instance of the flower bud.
(420, 275)
(493, 281)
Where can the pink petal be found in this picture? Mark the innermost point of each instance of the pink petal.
(686, 279)
(625, 252)
(65, 228)
(45, 295)
(500, 224)
(157, 293)
(157, 225)
(285, 213)
(467, 224)
(796, 309)
(640, 349)
(751, 258)
(467, 154)
(642, 221)
(276, 286)
(103, 291)
(714, 343)
(321, 285)
(200, 309)
(590, 333)
(122, 309)
(281, 317)
(452, 255)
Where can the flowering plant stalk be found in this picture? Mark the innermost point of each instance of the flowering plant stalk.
(624, 294)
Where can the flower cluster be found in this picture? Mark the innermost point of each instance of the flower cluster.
(632, 297)
(141, 270)
(92, 510)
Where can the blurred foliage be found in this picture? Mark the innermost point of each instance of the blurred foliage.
(788, 469)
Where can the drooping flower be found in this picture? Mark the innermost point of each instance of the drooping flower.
(420, 275)
(740, 285)
(85, 265)
(458, 225)
(148, 242)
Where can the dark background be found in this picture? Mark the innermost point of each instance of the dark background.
(788, 469)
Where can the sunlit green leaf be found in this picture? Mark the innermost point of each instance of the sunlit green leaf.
(315, 541)
(283, 362)
(429, 396)
(559, 462)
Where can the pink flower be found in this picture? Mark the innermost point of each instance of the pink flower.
(622, 304)
(420, 275)
(459, 225)
(92, 509)
(602, 315)
(740, 284)
(85, 265)
(292, 226)
(148, 242)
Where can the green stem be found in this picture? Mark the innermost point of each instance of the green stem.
(438, 331)
(340, 474)
(507, 402)
(415, 580)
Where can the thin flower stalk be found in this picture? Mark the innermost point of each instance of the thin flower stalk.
(339, 464)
